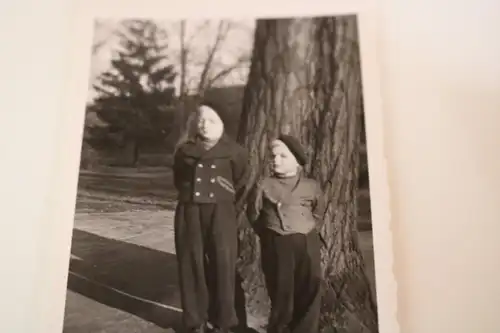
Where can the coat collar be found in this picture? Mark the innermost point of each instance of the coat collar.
(274, 190)
(194, 148)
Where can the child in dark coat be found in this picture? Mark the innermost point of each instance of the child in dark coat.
(286, 211)
(210, 171)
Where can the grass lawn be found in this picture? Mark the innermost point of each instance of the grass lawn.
(122, 272)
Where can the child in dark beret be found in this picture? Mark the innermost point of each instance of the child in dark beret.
(210, 171)
(286, 211)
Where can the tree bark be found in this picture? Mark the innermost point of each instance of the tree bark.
(305, 80)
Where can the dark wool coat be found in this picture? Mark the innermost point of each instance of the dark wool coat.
(209, 182)
(210, 176)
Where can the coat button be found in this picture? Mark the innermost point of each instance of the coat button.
(212, 180)
(200, 165)
(211, 195)
(197, 194)
(198, 180)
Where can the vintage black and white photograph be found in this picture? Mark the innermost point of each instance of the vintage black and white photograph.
(223, 183)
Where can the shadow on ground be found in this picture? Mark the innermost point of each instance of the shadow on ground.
(141, 281)
(132, 278)
(136, 270)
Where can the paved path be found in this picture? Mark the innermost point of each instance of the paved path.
(123, 273)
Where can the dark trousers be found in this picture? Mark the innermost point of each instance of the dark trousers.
(292, 268)
(206, 248)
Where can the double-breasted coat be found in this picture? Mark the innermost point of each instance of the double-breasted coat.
(210, 176)
(208, 182)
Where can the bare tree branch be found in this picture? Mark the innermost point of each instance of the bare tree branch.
(221, 35)
(200, 28)
(202, 69)
(225, 72)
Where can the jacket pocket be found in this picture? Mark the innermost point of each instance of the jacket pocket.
(225, 184)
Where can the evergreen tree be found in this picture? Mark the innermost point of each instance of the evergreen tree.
(136, 95)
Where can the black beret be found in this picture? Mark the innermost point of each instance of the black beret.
(295, 147)
(217, 108)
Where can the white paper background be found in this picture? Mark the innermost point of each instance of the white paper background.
(440, 72)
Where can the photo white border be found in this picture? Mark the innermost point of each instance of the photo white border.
(56, 252)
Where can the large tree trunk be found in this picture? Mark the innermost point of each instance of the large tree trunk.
(305, 79)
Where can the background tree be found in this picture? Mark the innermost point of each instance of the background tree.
(136, 95)
(206, 63)
(305, 79)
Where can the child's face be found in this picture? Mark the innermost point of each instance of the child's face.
(283, 161)
(209, 125)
